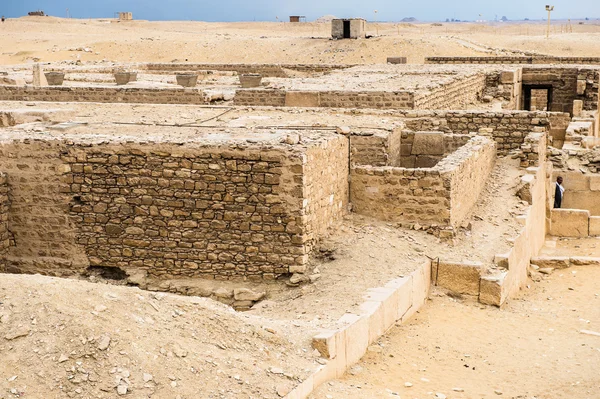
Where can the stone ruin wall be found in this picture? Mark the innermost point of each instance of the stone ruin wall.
(376, 149)
(104, 95)
(266, 70)
(5, 236)
(508, 128)
(429, 196)
(514, 60)
(168, 211)
(431, 152)
(581, 190)
(454, 95)
(469, 168)
(568, 84)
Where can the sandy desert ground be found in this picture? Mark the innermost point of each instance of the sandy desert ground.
(52, 39)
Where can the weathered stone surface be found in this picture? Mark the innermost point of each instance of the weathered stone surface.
(462, 278)
(428, 143)
(245, 294)
(569, 223)
(555, 262)
(594, 226)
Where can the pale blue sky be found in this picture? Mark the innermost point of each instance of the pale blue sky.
(267, 10)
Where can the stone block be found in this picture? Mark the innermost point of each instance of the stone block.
(428, 143)
(39, 79)
(492, 289)
(569, 223)
(324, 342)
(421, 284)
(426, 161)
(396, 60)
(302, 99)
(507, 77)
(462, 278)
(554, 262)
(594, 183)
(594, 227)
(403, 287)
(577, 107)
(373, 311)
(356, 336)
(581, 84)
(584, 261)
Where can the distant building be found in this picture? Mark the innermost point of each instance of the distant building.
(297, 18)
(38, 13)
(353, 28)
(125, 16)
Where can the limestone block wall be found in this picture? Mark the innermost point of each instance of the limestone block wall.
(582, 191)
(6, 119)
(534, 149)
(43, 230)
(514, 60)
(428, 151)
(260, 97)
(5, 236)
(367, 99)
(467, 170)
(266, 70)
(103, 95)
(170, 211)
(375, 149)
(442, 195)
(455, 95)
(509, 128)
(564, 82)
(325, 185)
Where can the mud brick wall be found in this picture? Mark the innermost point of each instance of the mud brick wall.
(454, 95)
(260, 97)
(325, 187)
(591, 94)
(44, 234)
(102, 95)
(376, 149)
(5, 236)
(441, 196)
(375, 99)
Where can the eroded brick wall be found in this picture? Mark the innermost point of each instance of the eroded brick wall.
(260, 97)
(103, 95)
(376, 149)
(266, 70)
(514, 60)
(375, 99)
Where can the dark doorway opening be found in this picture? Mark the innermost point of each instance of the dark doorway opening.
(346, 29)
(538, 98)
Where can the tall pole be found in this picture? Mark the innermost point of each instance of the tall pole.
(549, 9)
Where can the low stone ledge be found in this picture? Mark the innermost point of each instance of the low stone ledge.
(556, 262)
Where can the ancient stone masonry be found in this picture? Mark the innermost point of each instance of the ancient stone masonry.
(170, 211)
(455, 95)
(259, 97)
(534, 149)
(508, 128)
(5, 236)
(266, 70)
(513, 60)
(188, 213)
(103, 95)
(440, 196)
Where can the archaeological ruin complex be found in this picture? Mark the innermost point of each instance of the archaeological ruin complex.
(164, 183)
